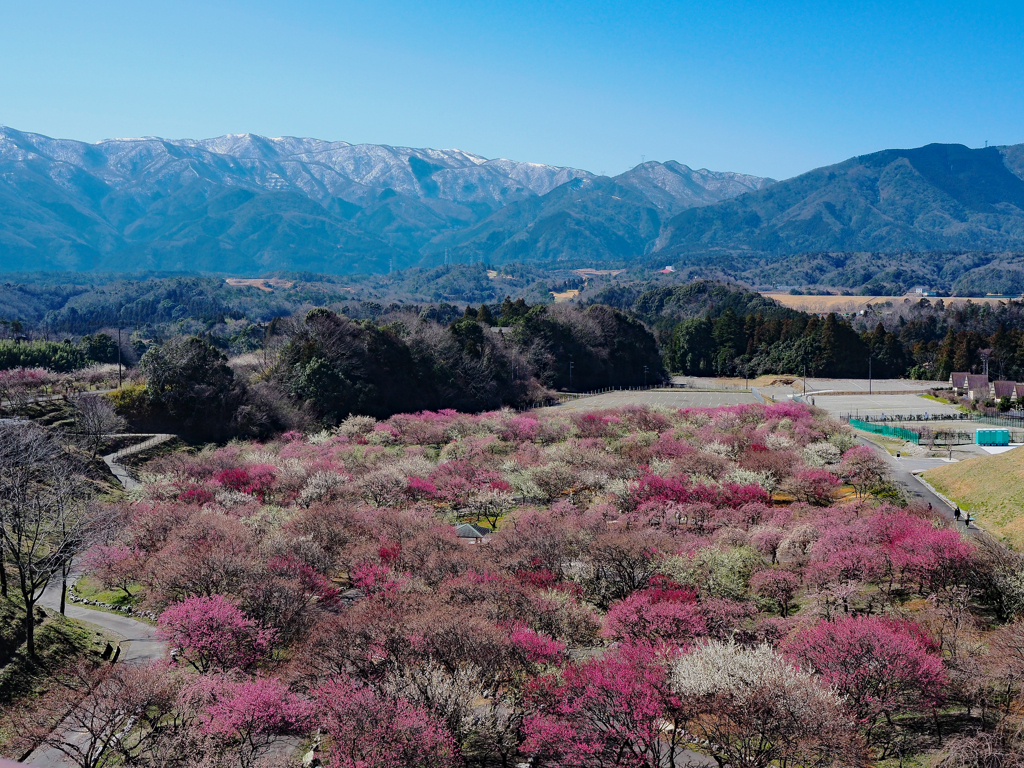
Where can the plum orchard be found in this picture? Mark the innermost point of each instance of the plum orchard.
(658, 581)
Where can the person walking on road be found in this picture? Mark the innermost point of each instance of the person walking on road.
(967, 520)
(956, 513)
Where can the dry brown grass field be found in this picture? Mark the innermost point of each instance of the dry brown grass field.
(843, 304)
(267, 284)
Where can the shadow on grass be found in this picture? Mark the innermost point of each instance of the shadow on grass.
(59, 641)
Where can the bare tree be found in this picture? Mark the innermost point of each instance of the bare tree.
(1001, 748)
(120, 711)
(44, 516)
(95, 419)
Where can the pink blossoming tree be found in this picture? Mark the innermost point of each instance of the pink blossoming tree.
(212, 633)
(882, 666)
(369, 730)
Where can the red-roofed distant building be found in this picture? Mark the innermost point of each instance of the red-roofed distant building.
(1001, 389)
(978, 387)
(959, 382)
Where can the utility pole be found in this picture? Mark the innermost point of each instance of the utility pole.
(805, 380)
(869, 373)
(119, 357)
(570, 374)
(645, 377)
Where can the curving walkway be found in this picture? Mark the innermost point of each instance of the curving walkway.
(119, 470)
(138, 641)
(905, 472)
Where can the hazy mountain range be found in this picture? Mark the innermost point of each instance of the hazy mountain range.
(249, 204)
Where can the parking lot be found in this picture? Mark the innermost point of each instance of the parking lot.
(862, 385)
(680, 398)
(876, 406)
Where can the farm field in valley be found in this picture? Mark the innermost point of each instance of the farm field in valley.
(845, 304)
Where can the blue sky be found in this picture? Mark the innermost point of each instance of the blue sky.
(771, 88)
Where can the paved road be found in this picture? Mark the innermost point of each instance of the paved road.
(119, 470)
(138, 642)
(902, 471)
(138, 639)
(914, 464)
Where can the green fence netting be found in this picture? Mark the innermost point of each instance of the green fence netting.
(887, 431)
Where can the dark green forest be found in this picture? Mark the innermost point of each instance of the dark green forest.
(710, 328)
(328, 351)
(326, 366)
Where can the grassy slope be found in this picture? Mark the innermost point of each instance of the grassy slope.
(991, 488)
(59, 641)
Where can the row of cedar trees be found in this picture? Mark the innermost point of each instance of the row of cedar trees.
(618, 617)
(920, 341)
(732, 345)
(830, 346)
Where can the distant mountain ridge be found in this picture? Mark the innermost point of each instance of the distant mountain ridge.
(937, 197)
(240, 203)
(245, 204)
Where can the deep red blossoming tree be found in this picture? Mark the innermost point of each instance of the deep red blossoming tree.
(212, 633)
(882, 666)
(613, 711)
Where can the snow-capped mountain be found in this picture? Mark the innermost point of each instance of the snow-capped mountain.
(319, 169)
(674, 187)
(244, 202)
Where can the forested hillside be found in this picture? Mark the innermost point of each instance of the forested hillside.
(321, 367)
(937, 197)
(707, 328)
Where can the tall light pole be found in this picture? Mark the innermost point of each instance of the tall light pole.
(869, 373)
(570, 375)
(645, 377)
(119, 357)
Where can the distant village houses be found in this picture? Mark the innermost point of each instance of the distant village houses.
(978, 387)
